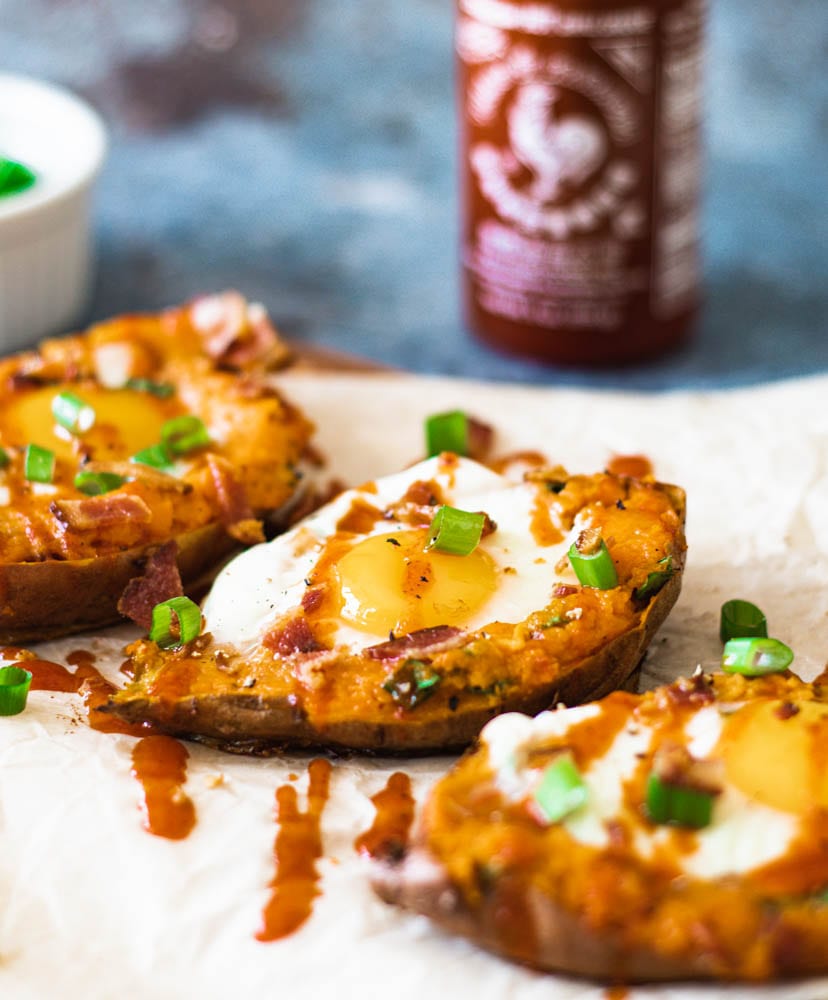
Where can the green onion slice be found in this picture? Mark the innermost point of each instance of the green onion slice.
(594, 569)
(561, 790)
(4, 458)
(655, 580)
(412, 683)
(38, 464)
(457, 532)
(184, 434)
(185, 612)
(754, 656)
(14, 690)
(447, 432)
(95, 483)
(71, 412)
(741, 618)
(14, 177)
(677, 804)
(156, 456)
(162, 390)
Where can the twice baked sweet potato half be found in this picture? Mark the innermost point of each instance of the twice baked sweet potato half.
(142, 430)
(678, 834)
(363, 627)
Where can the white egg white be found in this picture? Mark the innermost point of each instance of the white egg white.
(268, 581)
(743, 835)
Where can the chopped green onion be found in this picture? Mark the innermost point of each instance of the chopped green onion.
(38, 464)
(412, 683)
(184, 434)
(14, 177)
(561, 790)
(156, 456)
(457, 532)
(162, 390)
(95, 483)
(677, 804)
(741, 618)
(188, 615)
(71, 412)
(14, 690)
(756, 656)
(593, 568)
(447, 432)
(4, 458)
(655, 580)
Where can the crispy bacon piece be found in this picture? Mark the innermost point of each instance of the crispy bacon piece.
(236, 334)
(101, 512)
(481, 439)
(160, 582)
(431, 640)
(234, 510)
(295, 636)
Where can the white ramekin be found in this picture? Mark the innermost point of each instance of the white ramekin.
(45, 238)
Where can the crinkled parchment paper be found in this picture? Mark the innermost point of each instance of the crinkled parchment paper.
(91, 906)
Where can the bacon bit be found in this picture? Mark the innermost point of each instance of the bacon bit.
(295, 636)
(417, 505)
(697, 690)
(234, 510)
(160, 582)
(312, 599)
(489, 525)
(564, 590)
(787, 710)
(433, 640)
(480, 440)
(423, 494)
(24, 380)
(313, 456)
(236, 334)
(588, 541)
(675, 766)
(101, 512)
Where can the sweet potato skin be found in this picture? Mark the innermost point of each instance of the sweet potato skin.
(48, 599)
(537, 896)
(262, 700)
(256, 720)
(65, 557)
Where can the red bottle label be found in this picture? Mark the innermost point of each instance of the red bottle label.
(580, 159)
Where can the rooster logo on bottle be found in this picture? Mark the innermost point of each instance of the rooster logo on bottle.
(562, 150)
(561, 167)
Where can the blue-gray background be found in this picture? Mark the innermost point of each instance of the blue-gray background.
(303, 152)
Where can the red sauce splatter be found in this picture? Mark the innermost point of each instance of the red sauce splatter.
(87, 681)
(388, 834)
(636, 466)
(159, 764)
(296, 850)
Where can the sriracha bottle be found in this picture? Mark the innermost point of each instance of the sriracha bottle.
(580, 174)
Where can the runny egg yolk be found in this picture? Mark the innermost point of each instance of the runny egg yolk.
(389, 583)
(125, 420)
(778, 754)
